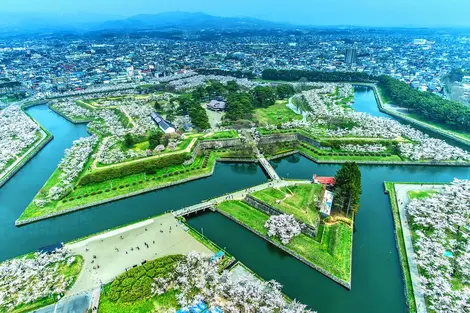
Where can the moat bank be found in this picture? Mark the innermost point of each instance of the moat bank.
(376, 275)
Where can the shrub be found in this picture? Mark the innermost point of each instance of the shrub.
(120, 187)
(114, 188)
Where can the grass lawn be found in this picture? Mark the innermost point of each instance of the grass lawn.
(332, 253)
(457, 133)
(275, 114)
(224, 134)
(421, 194)
(301, 201)
(83, 195)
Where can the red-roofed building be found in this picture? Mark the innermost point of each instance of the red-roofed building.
(327, 181)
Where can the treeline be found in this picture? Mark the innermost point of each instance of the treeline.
(316, 76)
(427, 105)
(216, 71)
(149, 166)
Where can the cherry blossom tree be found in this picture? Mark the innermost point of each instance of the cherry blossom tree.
(283, 226)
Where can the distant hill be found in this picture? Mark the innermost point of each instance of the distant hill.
(13, 24)
(186, 20)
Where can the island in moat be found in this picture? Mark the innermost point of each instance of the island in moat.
(153, 137)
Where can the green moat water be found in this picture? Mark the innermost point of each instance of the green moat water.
(376, 275)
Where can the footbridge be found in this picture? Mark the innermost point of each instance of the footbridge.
(268, 168)
(237, 195)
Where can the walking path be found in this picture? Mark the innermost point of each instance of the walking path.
(401, 191)
(267, 166)
(20, 158)
(238, 195)
(109, 254)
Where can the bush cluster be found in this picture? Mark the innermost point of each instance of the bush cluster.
(146, 165)
(136, 283)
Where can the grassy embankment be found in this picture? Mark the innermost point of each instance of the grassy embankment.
(276, 114)
(300, 201)
(331, 251)
(71, 272)
(101, 191)
(389, 186)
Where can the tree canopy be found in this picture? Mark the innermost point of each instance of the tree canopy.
(429, 106)
(347, 190)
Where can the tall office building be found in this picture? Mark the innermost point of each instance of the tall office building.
(351, 56)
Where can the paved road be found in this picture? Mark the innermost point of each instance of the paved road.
(401, 191)
(74, 304)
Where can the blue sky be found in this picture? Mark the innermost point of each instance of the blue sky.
(311, 12)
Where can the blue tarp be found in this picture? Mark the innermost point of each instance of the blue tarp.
(201, 307)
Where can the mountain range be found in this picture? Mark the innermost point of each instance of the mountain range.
(28, 22)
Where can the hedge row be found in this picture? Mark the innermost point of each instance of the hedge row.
(378, 154)
(144, 166)
(136, 283)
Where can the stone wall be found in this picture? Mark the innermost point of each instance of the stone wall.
(311, 142)
(277, 138)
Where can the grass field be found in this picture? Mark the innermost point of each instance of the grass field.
(332, 253)
(275, 114)
(421, 194)
(223, 134)
(161, 303)
(300, 201)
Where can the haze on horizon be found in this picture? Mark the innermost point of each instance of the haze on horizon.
(419, 13)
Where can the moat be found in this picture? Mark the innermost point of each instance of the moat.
(377, 284)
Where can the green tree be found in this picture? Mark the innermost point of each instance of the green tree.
(157, 106)
(284, 91)
(348, 189)
(232, 86)
(128, 140)
(154, 139)
(263, 96)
